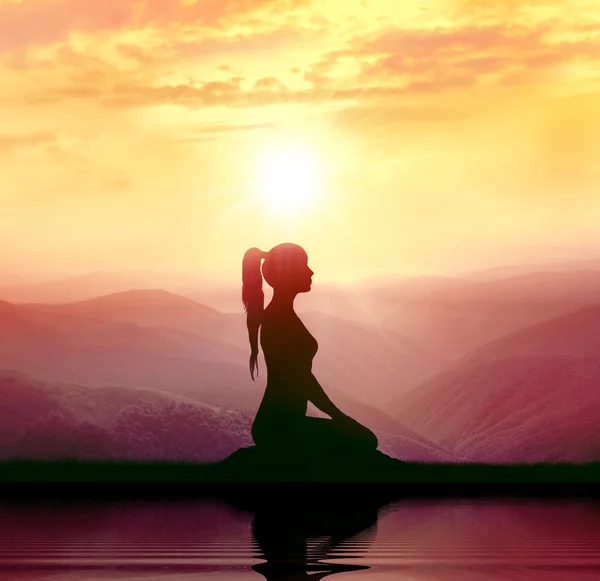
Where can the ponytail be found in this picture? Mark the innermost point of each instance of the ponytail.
(254, 300)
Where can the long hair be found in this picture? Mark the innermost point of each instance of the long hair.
(253, 298)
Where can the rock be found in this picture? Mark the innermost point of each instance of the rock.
(255, 464)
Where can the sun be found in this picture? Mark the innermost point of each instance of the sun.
(289, 178)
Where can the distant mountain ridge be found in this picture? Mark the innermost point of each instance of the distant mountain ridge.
(510, 270)
(370, 363)
(530, 396)
(135, 298)
(576, 334)
(488, 370)
(94, 284)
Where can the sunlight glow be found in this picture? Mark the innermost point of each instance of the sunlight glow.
(289, 178)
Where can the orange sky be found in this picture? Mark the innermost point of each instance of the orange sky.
(445, 133)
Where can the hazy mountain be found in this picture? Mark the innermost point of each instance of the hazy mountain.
(85, 342)
(93, 284)
(373, 364)
(395, 438)
(511, 270)
(453, 319)
(49, 420)
(58, 346)
(410, 288)
(42, 420)
(530, 396)
(527, 409)
(343, 300)
(369, 363)
(448, 316)
(575, 334)
(148, 308)
(542, 286)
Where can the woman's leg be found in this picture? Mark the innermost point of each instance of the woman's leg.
(309, 434)
(281, 437)
(344, 434)
(362, 437)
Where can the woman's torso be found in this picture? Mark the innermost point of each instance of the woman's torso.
(289, 349)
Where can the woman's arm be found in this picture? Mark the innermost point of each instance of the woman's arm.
(319, 398)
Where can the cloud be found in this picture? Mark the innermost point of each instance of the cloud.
(439, 58)
(10, 142)
(208, 132)
(232, 128)
(383, 118)
(230, 94)
(119, 184)
(383, 63)
(42, 22)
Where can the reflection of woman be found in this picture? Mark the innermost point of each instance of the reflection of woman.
(289, 349)
(299, 540)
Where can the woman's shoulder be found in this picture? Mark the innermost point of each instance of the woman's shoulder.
(279, 325)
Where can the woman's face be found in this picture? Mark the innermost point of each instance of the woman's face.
(304, 276)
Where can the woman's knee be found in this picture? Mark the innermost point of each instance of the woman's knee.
(366, 437)
(372, 440)
(361, 436)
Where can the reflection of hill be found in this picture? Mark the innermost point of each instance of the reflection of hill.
(530, 396)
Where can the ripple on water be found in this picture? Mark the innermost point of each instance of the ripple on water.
(412, 540)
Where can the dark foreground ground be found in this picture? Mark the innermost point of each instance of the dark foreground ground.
(247, 467)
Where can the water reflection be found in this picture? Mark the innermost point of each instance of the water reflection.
(294, 536)
(300, 536)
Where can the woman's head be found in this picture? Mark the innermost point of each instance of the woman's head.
(285, 269)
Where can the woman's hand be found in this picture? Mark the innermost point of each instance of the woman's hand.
(340, 416)
(253, 364)
(347, 421)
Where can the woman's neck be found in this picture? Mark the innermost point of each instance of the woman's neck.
(283, 301)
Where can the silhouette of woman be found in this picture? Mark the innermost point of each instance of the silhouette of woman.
(289, 348)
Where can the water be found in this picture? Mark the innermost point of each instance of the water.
(292, 539)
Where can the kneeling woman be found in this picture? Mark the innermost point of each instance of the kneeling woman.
(281, 421)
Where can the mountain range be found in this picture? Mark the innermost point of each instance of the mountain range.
(501, 367)
(530, 396)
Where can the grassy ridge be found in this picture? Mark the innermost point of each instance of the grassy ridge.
(396, 472)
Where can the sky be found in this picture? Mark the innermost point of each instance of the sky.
(385, 137)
